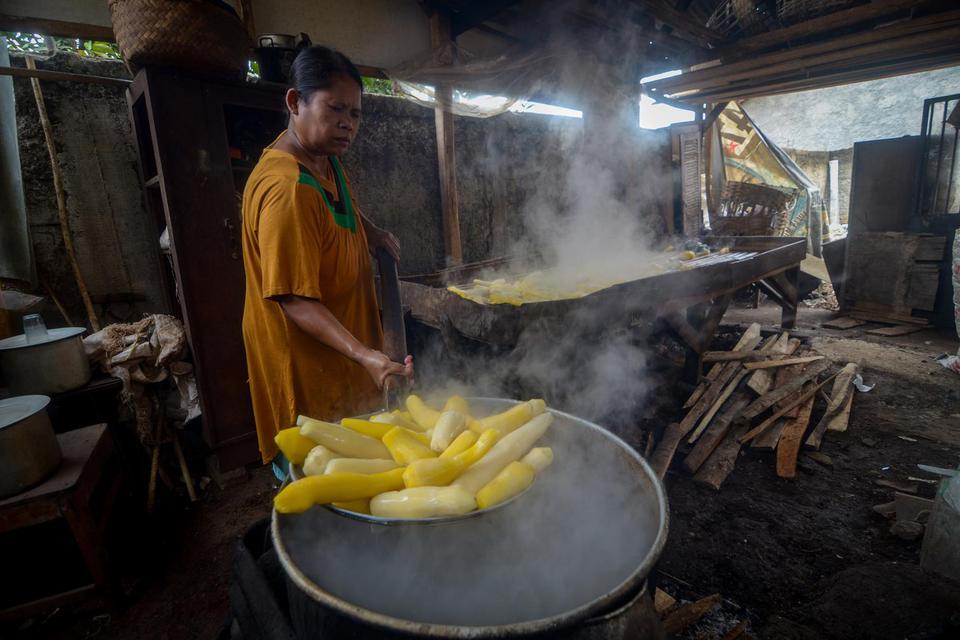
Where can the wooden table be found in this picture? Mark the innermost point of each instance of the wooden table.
(82, 492)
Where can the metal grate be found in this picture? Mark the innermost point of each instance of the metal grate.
(939, 181)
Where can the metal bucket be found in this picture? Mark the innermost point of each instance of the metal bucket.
(29, 450)
(577, 546)
(54, 364)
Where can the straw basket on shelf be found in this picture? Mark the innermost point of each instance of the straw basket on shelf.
(199, 35)
(748, 209)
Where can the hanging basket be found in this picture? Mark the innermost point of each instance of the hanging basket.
(205, 36)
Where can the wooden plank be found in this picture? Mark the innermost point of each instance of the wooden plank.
(884, 319)
(770, 398)
(723, 459)
(440, 36)
(689, 614)
(735, 356)
(789, 447)
(769, 422)
(896, 330)
(768, 440)
(63, 76)
(817, 26)
(761, 379)
(59, 28)
(770, 364)
(844, 322)
(713, 436)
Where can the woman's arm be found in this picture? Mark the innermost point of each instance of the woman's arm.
(313, 317)
(377, 237)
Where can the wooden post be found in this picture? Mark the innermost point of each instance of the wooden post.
(440, 36)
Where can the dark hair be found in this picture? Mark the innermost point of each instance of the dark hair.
(315, 67)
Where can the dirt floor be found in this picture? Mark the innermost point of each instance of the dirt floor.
(806, 558)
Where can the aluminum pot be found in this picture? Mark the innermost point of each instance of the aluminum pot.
(29, 451)
(47, 365)
(574, 548)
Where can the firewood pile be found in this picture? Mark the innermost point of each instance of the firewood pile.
(759, 394)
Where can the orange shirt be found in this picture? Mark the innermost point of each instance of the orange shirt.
(295, 243)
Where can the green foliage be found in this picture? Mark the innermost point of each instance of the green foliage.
(378, 86)
(24, 43)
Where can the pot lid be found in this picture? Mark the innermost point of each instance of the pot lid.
(53, 335)
(13, 410)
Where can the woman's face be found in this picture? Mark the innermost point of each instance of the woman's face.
(327, 122)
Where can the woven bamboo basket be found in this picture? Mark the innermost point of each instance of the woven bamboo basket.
(748, 209)
(198, 35)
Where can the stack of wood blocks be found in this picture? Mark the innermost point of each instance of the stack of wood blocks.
(761, 393)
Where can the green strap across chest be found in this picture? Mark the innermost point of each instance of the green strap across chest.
(346, 218)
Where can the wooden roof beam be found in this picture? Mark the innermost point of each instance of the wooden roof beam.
(682, 24)
(825, 24)
(58, 28)
(761, 64)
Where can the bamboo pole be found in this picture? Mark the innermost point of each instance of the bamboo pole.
(62, 199)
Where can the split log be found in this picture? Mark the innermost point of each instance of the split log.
(786, 362)
(841, 420)
(723, 459)
(836, 408)
(761, 379)
(749, 336)
(663, 454)
(770, 398)
(766, 424)
(667, 446)
(784, 375)
(765, 347)
(716, 433)
(663, 602)
(789, 447)
(842, 385)
(724, 396)
(768, 440)
(689, 614)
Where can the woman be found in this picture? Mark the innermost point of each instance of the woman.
(311, 325)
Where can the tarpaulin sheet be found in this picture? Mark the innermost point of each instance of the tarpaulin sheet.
(749, 156)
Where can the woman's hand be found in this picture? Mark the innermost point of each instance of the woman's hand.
(377, 238)
(380, 367)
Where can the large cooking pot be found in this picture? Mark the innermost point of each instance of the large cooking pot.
(29, 451)
(51, 362)
(577, 545)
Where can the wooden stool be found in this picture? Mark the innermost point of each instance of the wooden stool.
(86, 471)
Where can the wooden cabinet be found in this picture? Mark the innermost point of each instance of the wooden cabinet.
(198, 140)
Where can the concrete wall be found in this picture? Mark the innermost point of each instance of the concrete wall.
(837, 117)
(115, 246)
